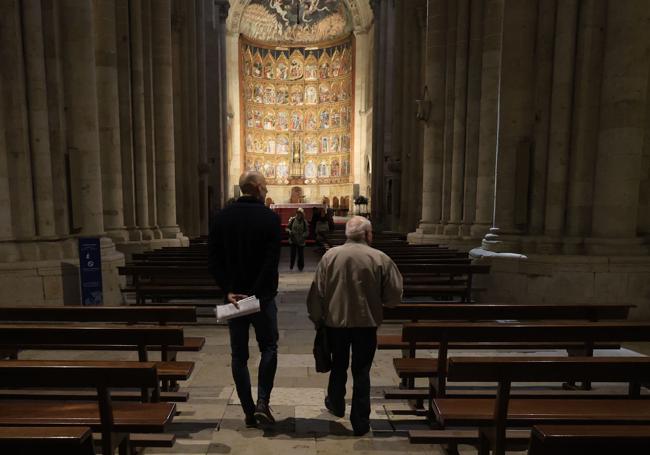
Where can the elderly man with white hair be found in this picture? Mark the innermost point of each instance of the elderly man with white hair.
(352, 284)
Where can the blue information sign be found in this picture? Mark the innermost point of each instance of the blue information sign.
(90, 271)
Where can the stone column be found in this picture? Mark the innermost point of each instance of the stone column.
(164, 118)
(78, 42)
(434, 76)
(147, 59)
(16, 121)
(39, 138)
(125, 117)
(544, 69)
(516, 114)
(560, 127)
(109, 119)
(493, 16)
(474, 71)
(450, 80)
(622, 126)
(459, 124)
(139, 130)
(379, 75)
(6, 228)
(56, 114)
(586, 116)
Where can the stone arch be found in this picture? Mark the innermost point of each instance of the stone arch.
(360, 11)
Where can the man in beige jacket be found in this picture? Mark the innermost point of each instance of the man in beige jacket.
(352, 283)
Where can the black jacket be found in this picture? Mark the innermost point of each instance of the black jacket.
(244, 249)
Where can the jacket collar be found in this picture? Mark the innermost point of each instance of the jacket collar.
(249, 200)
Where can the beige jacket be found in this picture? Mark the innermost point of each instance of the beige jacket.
(351, 284)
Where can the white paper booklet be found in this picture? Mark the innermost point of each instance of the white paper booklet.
(249, 305)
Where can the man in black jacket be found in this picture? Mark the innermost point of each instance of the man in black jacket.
(244, 252)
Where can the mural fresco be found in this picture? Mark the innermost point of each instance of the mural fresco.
(295, 21)
(297, 106)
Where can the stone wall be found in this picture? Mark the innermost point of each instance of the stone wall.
(104, 107)
(554, 95)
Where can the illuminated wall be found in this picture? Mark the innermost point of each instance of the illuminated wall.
(297, 110)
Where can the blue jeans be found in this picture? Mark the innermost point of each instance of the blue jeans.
(265, 324)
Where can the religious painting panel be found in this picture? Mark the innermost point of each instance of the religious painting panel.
(296, 106)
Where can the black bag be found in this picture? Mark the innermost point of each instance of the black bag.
(322, 352)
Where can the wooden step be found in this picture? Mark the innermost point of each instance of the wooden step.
(469, 437)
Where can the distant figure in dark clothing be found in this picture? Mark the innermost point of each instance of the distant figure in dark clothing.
(298, 231)
(244, 252)
(324, 226)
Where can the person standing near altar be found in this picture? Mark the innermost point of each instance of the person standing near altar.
(243, 258)
(298, 230)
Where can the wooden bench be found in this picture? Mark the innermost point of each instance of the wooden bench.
(81, 337)
(46, 440)
(459, 279)
(409, 367)
(589, 439)
(157, 282)
(494, 415)
(162, 315)
(113, 420)
(448, 333)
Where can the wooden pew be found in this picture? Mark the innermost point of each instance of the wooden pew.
(409, 367)
(589, 439)
(113, 420)
(161, 315)
(448, 333)
(156, 282)
(90, 337)
(459, 279)
(46, 440)
(494, 415)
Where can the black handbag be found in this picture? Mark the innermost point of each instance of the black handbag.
(322, 352)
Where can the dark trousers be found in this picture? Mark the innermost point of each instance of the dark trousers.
(363, 342)
(265, 324)
(301, 256)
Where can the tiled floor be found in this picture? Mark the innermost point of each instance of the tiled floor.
(212, 421)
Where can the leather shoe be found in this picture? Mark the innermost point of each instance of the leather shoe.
(332, 409)
(263, 413)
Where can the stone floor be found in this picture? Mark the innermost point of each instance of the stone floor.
(212, 422)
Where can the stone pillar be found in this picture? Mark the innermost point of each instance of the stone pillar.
(450, 81)
(147, 48)
(109, 119)
(493, 16)
(560, 127)
(474, 71)
(544, 69)
(56, 114)
(516, 115)
(622, 126)
(6, 228)
(139, 129)
(459, 124)
(380, 71)
(164, 118)
(434, 76)
(586, 116)
(78, 42)
(39, 138)
(16, 121)
(125, 117)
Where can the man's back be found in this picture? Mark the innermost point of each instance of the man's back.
(244, 249)
(352, 283)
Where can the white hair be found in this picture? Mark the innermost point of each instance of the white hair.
(356, 228)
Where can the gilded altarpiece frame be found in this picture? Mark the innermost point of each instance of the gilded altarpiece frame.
(297, 111)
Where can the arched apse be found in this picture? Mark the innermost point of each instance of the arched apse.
(351, 17)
